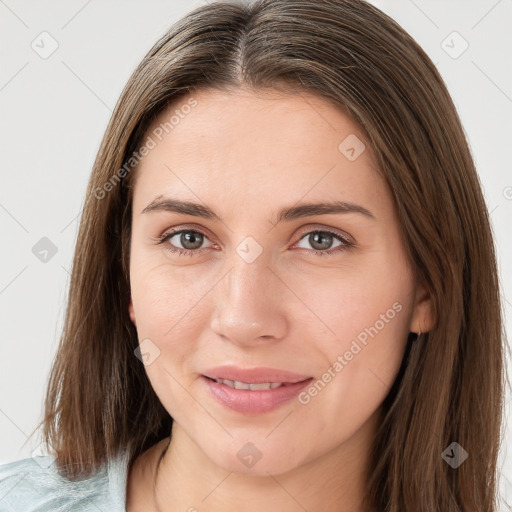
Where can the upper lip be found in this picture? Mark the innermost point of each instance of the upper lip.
(254, 375)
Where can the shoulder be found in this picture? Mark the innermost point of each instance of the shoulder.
(34, 484)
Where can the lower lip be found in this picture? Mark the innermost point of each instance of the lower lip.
(254, 402)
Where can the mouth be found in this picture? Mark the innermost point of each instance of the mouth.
(253, 391)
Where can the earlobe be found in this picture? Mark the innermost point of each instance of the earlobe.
(422, 318)
(132, 313)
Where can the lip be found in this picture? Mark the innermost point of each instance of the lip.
(254, 401)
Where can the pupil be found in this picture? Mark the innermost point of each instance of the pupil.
(188, 238)
(319, 238)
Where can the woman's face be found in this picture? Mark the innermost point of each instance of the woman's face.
(323, 294)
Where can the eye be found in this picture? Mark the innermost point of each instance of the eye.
(321, 240)
(189, 239)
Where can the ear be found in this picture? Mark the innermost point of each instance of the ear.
(422, 317)
(132, 313)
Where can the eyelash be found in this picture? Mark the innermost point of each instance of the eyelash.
(191, 252)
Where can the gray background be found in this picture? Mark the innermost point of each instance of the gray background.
(55, 108)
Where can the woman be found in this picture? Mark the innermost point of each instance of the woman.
(284, 294)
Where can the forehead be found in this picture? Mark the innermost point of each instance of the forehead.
(251, 147)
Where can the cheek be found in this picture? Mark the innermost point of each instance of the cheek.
(165, 313)
(364, 321)
(347, 303)
(165, 299)
(167, 309)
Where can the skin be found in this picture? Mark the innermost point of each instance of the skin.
(246, 155)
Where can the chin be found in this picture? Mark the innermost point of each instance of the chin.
(250, 461)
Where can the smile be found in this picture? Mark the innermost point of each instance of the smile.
(253, 398)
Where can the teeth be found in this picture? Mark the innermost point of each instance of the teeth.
(244, 385)
(241, 385)
(265, 385)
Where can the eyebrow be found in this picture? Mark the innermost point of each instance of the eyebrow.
(288, 213)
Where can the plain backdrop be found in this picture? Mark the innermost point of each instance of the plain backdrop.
(62, 68)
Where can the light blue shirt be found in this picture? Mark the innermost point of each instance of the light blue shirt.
(34, 485)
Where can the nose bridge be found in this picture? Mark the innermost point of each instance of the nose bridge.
(249, 283)
(247, 302)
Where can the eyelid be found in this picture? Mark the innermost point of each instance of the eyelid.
(305, 229)
(185, 227)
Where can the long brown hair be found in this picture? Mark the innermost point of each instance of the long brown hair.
(451, 384)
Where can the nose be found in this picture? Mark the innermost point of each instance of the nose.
(250, 304)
